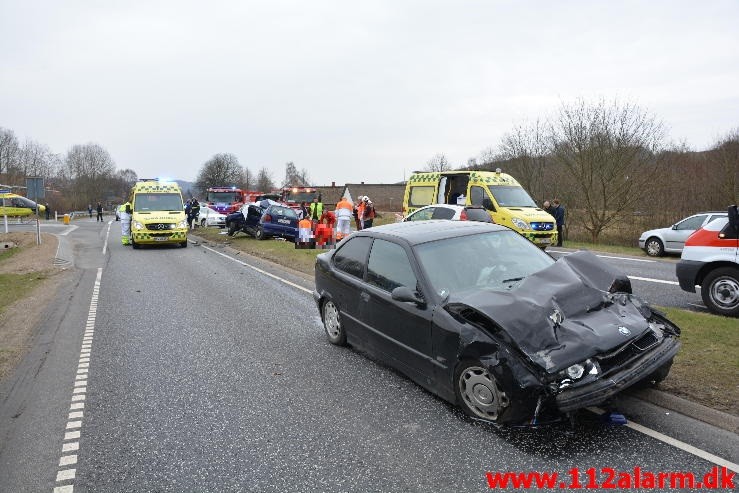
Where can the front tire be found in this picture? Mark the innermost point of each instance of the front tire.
(183, 244)
(134, 245)
(202, 223)
(332, 323)
(231, 229)
(478, 392)
(654, 247)
(720, 291)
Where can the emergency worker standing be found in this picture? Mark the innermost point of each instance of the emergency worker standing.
(368, 213)
(124, 212)
(316, 210)
(99, 210)
(192, 218)
(343, 218)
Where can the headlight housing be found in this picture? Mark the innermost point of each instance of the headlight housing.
(182, 224)
(137, 225)
(587, 370)
(520, 223)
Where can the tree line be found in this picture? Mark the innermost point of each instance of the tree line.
(612, 165)
(85, 175)
(224, 169)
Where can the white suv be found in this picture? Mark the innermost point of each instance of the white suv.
(711, 260)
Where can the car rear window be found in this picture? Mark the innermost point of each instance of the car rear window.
(284, 211)
(352, 256)
(480, 215)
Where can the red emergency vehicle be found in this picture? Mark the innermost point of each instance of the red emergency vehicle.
(229, 199)
(293, 196)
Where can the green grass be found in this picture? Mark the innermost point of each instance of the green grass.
(600, 247)
(16, 286)
(6, 254)
(706, 370)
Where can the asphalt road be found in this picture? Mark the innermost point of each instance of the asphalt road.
(206, 375)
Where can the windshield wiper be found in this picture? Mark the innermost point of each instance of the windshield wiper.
(513, 279)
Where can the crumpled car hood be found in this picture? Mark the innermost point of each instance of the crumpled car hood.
(591, 320)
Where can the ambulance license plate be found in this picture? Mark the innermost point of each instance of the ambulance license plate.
(161, 238)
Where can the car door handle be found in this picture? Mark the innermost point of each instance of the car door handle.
(365, 296)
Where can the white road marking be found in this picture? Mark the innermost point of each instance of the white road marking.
(68, 230)
(71, 446)
(627, 258)
(65, 474)
(67, 460)
(660, 281)
(268, 274)
(74, 420)
(105, 245)
(675, 443)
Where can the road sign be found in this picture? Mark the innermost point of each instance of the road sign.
(34, 187)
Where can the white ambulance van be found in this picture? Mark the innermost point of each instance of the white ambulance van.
(710, 260)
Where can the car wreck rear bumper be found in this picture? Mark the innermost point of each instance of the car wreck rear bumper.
(595, 393)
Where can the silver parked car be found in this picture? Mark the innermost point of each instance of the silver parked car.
(657, 242)
(210, 217)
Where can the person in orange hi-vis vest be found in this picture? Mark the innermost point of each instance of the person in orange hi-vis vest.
(343, 218)
(305, 233)
(360, 212)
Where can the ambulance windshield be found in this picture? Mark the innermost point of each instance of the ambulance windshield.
(158, 202)
(511, 196)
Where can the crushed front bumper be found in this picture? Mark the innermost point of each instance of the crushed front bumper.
(596, 392)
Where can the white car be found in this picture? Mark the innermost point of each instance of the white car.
(657, 242)
(451, 212)
(210, 217)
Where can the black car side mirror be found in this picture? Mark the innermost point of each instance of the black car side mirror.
(404, 294)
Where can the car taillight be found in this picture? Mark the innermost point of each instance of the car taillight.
(267, 218)
(463, 215)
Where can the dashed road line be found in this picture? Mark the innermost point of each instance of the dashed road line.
(67, 471)
(628, 258)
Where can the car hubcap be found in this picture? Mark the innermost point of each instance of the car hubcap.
(725, 292)
(481, 393)
(331, 320)
(653, 248)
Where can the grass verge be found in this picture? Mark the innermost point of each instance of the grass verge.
(599, 247)
(705, 371)
(17, 286)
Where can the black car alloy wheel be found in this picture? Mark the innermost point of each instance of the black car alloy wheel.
(332, 324)
(478, 392)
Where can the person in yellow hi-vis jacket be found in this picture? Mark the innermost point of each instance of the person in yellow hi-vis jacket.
(124, 211)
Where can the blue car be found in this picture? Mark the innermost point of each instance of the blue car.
(264, 219)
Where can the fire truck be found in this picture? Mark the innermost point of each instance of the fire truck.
(293, 196)
(229, 199)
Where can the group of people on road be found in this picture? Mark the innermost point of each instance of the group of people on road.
(557, 211)
(98, 209)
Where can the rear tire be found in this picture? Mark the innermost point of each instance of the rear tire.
(259, 235)
(654, 247)
(332, 323)
(202, 223)
(720, 291)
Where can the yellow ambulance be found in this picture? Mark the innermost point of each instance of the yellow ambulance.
(157, 213)
(500, 194)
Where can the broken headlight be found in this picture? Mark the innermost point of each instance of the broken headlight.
(577, 372)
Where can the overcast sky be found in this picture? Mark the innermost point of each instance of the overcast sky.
(352, 91)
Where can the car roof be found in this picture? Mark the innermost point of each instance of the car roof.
(417, 232)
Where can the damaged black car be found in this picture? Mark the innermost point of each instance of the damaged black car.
(478, 315)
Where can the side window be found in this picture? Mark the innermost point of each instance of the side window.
(422, 215)
(714, 216)
(351, 257)
(442, 213)
(694, 222)
(477, 194)
(389, 267)
(421, 196)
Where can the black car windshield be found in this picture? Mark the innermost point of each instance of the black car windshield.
(497, 261)
(511, 196)
(158, 202)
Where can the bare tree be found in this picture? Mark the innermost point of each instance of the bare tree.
(608, 150)
(525, 149)
(438, 163)
(91, 171)
(9, 150)
(724, 157)
(264, 181)
(219, 171)
(295, 178)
